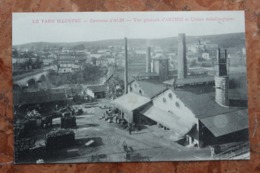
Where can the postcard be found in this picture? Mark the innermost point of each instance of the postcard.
(129, 87)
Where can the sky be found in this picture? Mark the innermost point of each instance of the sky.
(150, 25)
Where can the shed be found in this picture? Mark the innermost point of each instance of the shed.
(129, 104)
(96, 91)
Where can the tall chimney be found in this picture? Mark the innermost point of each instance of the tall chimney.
(126, 67)
(148, 60)
(163, 69)
(221, 79)
(182, 62)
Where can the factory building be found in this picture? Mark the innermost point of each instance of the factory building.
(96, 91)
(197, 110)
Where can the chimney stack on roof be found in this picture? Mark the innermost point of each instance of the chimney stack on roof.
(182, 62)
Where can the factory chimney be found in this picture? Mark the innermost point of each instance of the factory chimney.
(222, 79)
(126, 67)
(148, 60)
(182, 62)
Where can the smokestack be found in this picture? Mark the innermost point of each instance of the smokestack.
(126, 67)
(163, 69)
(222, 79)
(222, 62)
(148, 59)
(182, 62)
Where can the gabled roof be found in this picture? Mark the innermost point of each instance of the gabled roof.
(97, 88)
(170, 82)
(151, 88)
(168, 119)
(201, 101)
(227, 123)
(195, 80)
(131, 101)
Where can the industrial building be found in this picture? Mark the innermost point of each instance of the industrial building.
(96, 91)
(200, 111)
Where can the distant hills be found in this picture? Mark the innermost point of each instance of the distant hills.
(223, 40)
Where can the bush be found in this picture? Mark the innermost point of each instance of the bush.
(60, 139)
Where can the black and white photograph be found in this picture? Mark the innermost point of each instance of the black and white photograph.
(129, 87)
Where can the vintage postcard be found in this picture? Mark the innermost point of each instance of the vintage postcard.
(129, 87)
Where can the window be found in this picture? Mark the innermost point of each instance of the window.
(177, 104)
(140, 91)
(164, 100)
(131, 89)
(170, 95)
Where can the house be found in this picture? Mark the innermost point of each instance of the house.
(102, 61)
(68, 66)
(120, 59)
(95, 55)
(47, 61)
(205, 55)
(111, 60)
(96, 91)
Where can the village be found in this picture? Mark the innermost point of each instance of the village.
(121, 103)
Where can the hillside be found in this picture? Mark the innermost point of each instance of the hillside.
(223, 40)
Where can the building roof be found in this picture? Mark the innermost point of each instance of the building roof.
(131, 101)
(170, 82)
(147, 74)
(151, 88)
(97, 88)
(201, 101)
(168, 119)
(43, 96)
(237, 94)
(193, 80)
(227, 123)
